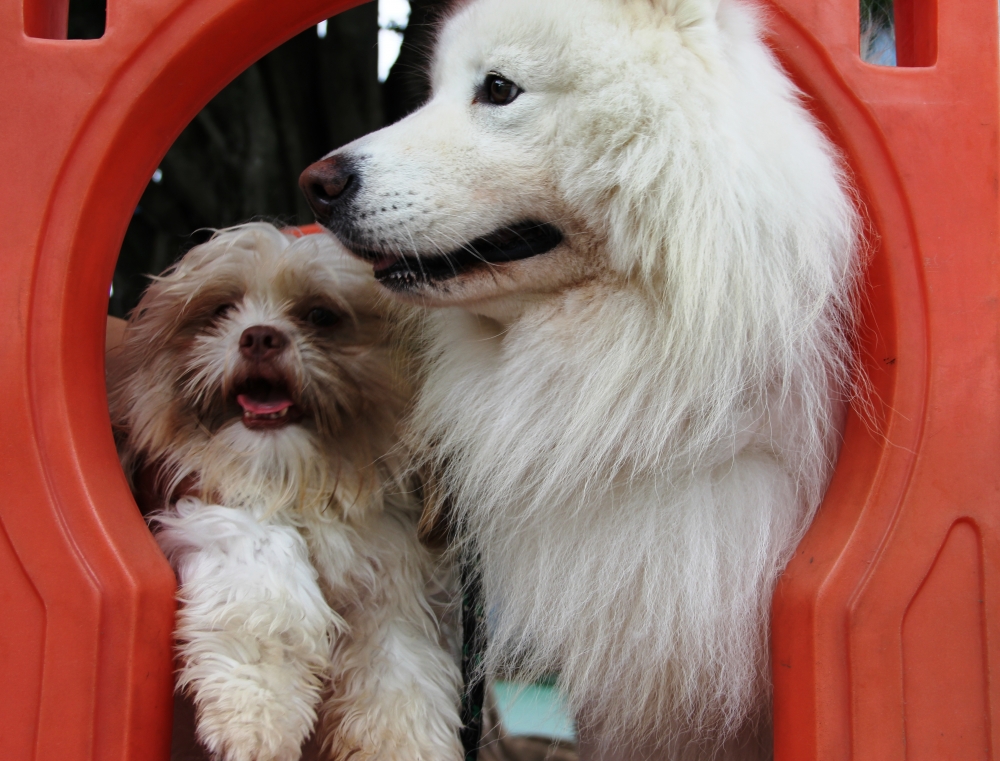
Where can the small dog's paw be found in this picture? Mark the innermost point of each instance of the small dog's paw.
(399, 727)
(250, 717)
(342, 747)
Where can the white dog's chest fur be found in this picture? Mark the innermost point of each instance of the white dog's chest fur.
(604, 556)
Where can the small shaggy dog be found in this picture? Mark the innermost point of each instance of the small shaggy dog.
(642, 251)
(256, 384)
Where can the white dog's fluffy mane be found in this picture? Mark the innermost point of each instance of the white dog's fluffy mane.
(635, 457)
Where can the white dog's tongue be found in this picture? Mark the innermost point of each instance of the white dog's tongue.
(258, 407)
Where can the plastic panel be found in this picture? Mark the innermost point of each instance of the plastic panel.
(885, 624)
(87, 598)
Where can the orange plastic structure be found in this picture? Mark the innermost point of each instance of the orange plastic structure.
(86, 607)
(885, 625)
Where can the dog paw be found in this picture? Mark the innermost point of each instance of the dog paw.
(253, 630)
(406, 725)
(347, 746)
(252, 716)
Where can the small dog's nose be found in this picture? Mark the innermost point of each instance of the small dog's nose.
(261, 343)
(328, 184)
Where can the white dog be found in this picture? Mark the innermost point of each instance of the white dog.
(644, 252)
(256, 384)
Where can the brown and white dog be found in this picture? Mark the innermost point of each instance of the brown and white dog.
(255, 381)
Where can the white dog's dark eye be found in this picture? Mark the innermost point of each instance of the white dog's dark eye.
(222, 310)
(322, 318)
(499, 91)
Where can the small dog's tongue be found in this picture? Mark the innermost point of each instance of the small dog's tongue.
(263, 407)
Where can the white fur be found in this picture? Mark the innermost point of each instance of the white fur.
(636, 427)
(305, 594)
(253, 629)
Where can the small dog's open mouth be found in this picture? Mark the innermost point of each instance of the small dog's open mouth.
(506, 244)
(266, 404)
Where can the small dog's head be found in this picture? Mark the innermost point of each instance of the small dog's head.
(259, 368)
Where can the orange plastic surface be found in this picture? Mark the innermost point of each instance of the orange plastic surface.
(885, 625)
(86, 599)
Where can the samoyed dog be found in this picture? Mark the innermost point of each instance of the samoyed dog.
(639, 251)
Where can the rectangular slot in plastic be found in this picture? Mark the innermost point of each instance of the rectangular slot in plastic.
(878, 40)
(916, 32)
(65, 19)
(46, 18)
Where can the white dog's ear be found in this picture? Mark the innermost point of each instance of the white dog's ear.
(690, 12)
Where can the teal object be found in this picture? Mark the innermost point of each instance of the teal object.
(533, 709)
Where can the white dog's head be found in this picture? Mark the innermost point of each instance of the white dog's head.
(257, 368)
(641, 140)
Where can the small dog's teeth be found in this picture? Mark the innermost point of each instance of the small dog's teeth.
(266, 415)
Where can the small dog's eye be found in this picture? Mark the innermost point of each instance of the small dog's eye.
(222, 310)
(498, 90)
(322, 318)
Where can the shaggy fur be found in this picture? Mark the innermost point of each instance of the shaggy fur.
(636, 425)
(303, 588)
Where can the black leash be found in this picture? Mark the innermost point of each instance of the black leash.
(473, 651)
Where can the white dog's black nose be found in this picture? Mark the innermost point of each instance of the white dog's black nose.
(261, 343)
(328, 184)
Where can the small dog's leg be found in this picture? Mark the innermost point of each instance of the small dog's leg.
(394, 684)
(253, 630)
(396, 695)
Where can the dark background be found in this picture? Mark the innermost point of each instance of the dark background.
(240, 158)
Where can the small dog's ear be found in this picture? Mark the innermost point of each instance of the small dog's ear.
(171, 303)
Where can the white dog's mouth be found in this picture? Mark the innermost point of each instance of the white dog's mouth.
(400, 272)
(266, 403)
